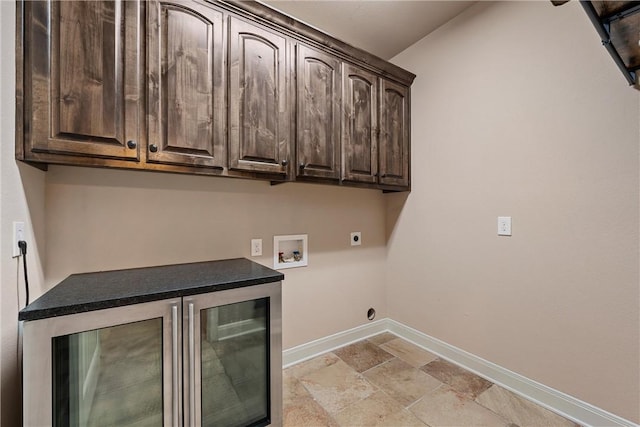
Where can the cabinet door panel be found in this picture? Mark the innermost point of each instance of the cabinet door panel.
(109, 376)
(360, 125)
(394, 134)
(319, 98)
(117, 366)
(233, 357)
(258, 117)
(186, 91)
(83, 74)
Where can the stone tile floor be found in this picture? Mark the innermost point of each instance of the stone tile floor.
(387, 381)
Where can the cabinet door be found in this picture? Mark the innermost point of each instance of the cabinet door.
(118, 367)
(258, 112)
(233, 357)
(83, 74)
(186, 87)
(360, 125)
(394, 134)
(318, 116)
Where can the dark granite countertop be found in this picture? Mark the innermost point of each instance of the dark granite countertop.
(80, 293)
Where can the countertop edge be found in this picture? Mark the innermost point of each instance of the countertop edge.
(114, 301)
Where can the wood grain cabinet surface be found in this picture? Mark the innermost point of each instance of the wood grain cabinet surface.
(186, 98)
(319, 90)
(394, 134)
(259, 138)
(82, 69)
(360, 125)
(228, 88)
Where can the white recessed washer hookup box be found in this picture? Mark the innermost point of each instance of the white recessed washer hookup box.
(290, 251)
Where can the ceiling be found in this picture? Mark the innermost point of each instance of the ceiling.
(382, 27)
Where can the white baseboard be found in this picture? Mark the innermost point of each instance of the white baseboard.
(324, 345)
(563, 404)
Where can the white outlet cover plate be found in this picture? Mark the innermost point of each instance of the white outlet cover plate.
(504, 226)
(18, 234)
(256, 247)
(356, 238)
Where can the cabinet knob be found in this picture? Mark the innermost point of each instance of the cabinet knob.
(302, 166)
(131, 144)
(284, 162)
(153, 148)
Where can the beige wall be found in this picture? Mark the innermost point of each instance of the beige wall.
(107, 219)
(22, 199)
(519, 111)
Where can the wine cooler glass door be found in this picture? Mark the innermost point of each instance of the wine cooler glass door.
(109, 376)
(233, 359)
(105, 368)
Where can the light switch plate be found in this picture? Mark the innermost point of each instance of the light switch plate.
(504, 226)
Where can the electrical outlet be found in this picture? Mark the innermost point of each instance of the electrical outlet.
(356, 238)
(256, 247)
(18, 234)
(504, 226)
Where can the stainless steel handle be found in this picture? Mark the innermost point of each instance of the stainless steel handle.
(192, 370)
(174, 364)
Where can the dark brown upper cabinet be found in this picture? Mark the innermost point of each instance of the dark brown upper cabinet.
(186, 98)
(359, 125)
(319, 91)
(394, 134)
(82, 79)
(259, 134)
(227, 87)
